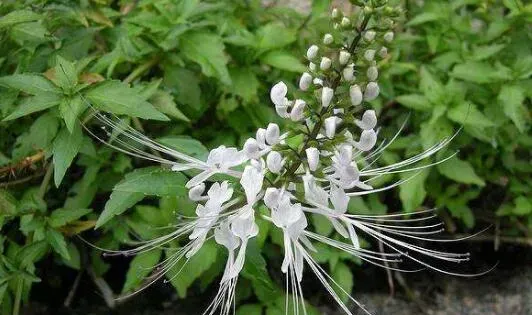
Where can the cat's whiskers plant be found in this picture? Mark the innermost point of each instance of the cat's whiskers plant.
(335, 161)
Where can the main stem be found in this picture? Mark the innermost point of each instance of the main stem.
(336, 82)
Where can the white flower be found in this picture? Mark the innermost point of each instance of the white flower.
(325, 63)
(349, 73)
(369, 35)
(346, 173)
(369, 120)
(195, 193)
(298, 110)
(328, 39)
(244, 227)
(388, 36)
(330, 126)
(312, 52)
(383, 52)
(369, 54)
(274, 161)
(252, 149)
(261, 137)
(252, 180)
(220, 160)
(305, 81)
(278, 93)
(326, 96)
(368, 138)
(313, 158)
(355, 95)
(272, 134)
(371, 92)
(343, 57)
(372, 73)
(313, 192)
(318, 81)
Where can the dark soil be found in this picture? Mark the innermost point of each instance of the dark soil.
(507, 290)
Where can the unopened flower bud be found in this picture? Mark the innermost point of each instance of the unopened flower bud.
(274, 162)
(372, 91)
(372, 73)
(368, 121)
(278, 93)
(369, 54)
(349, 73)
(326, 96)
(355, 94)
(383, 52)
(335, 13)
(252, 149)
(335, 26)
(272, 134)
(369, 36)
(312, 66)
(298, 110)
(313, 158)
(261, 136)
(325, 63)
(345, 22)
(368, 138)
(343, 58)
(195, 193)
(271, 197)
(312, 52)
(305, 81)
(388, 36)
(330, 126)
(318, 81)
(328, 39)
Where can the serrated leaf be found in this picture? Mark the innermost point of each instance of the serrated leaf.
(344, 278)
(34, 104)
(75, 257)
(65, 74)
(34, 84)
(484, 52)
(30, 254)
(283, 60)
(39, 137)
(65, 149)
(207, 50)
(58, 243)
(158, 182)
(431, 87)
(118, 98)
(511, 99)
(70, 108)
(414, 101)
(460, 171)
(182, 276)
(164, 102)
(425, 17)
(62, 217)
(19, 16)
(140, 267)
(478, 72)
(412, 192)
(118, 202)
(245, 83)
(274, 35)
(468, 114)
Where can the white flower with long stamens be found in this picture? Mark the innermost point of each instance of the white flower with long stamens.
(337, 159)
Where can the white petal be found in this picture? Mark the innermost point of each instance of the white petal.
(326, 96)
(278, 93)
(298, 111)
(368, 138)
(305, 81)
(369, 120)
(195, 193)
(274, 161)
(330, 126)
(313, 158)
(272, 134)
(312, 52)
(372, 91)
(355, 94)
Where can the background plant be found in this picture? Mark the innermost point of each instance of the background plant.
(175, 68)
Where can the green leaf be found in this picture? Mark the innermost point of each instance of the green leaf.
(30, 33)
(31, 253)
(511, 98)
(344, 278)
(8, 203)
(58, 243)
(283, 60)
(460, 171)
(65, 74)
(75, 258)
(39, 137)
(274, 35)
(255, 271)
(523, 206)
(479, 72)
(19, 16)
(34, 104)
(245, 83)
(185, 84)
(118, 202)
(164, 102)
(70, 108)
(186, 145)
(140, 267)
(468, 114)
(322, 225)
(117, 97)
(484, 52)
(62, 217)
(414, 101)
(182, 276)
(207, 50)
(66, 147)
(431, 87)
(34, 84)
(425, 17)
(159, 182)
(249, 309)
(412, 192)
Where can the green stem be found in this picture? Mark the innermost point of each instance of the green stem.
(46, 180)
(141, 69)
(18, 297)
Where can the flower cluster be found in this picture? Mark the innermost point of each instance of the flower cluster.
(336, 160)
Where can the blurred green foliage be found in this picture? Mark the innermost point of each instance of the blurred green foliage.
(195, 75)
